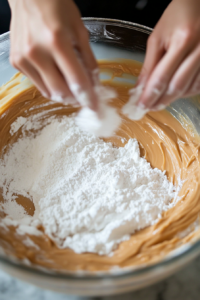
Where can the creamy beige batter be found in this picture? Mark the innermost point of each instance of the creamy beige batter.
(163, 142)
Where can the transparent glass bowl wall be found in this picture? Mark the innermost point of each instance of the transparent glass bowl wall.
(110, 39)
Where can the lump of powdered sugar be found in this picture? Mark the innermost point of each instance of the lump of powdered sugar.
(104, 122)
(104, 125)
(17, 124)
(131, 109)
(88, 195)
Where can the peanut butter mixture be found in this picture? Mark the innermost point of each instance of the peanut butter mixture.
(163, 142)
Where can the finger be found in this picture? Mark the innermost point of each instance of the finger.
(194, 88)
(161, 75)
(155, 51)
(185, 74)
(51, 76)
(163, 102)
(28, 70)
(88, 57)
(182, 79)
(74, 72)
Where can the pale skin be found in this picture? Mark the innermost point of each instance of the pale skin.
(172, 64)
(50, 45)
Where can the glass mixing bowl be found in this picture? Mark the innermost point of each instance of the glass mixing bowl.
(110, 39)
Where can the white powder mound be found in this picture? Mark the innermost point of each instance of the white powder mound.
(102, 126)
(88, 195)
(106, 121)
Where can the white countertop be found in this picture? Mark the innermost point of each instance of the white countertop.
(185, 285)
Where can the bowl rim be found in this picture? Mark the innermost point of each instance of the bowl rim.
(4, 36)
(187, 254)
(118, 22)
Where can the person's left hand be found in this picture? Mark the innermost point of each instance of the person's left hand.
(172, 65)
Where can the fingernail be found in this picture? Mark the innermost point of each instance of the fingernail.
(82, 97)
(156, 91)
(159, 107)
(138, 89)
(70, 101)
(152, 95)
(141, 105)
(44, 95)
(64, 100)
(56, 98)
(172, 91)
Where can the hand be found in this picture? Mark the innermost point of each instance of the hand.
(172, 64)
(50, 45)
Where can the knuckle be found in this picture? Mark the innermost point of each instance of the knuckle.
(184, 36)
(160, 83)
(30, 51)
(176, 87)
(16, 59)
(56, 36)
(189, 35)
(152, 40)
(158, 86)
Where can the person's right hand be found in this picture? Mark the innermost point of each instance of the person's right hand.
(50, 45)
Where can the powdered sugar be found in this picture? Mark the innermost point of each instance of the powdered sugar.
(106, 121)
(29, 243)
(88, 195)
(103, 126)
(131, 108)
(17, 124)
